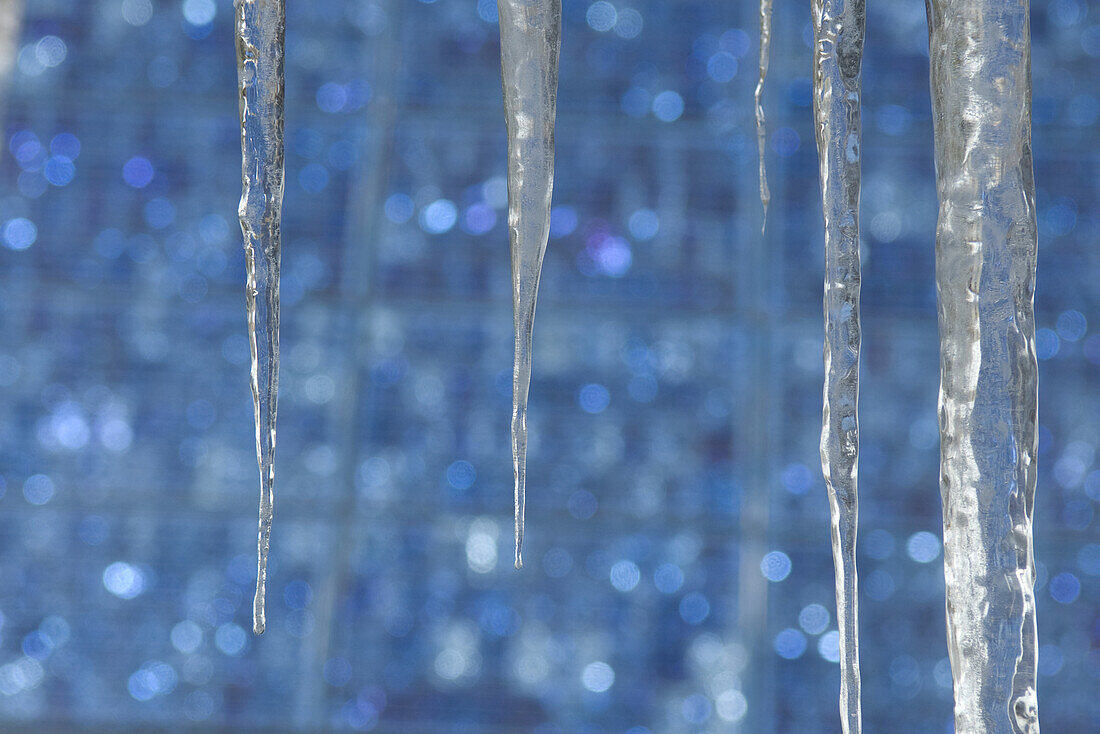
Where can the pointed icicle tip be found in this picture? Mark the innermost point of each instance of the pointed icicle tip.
(260, 41)
(530, 44)
(519, 537)
(259, 613)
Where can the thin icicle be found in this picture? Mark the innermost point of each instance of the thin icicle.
(260, 26)
(530, 39)
(761, 128)
(11, 22)
(838, 56)
(985, 274)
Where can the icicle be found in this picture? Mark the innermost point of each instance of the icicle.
(260, 28)
(985, 275)
(11, 22)
(761, 129)
(530, 39)
(838, 55)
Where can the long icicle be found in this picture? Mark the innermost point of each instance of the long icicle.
(838, 56)
(260, 26)
(985, 274)
(530, 40)
(761, 127)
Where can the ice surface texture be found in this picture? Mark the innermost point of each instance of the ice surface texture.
(260, 29)
(761, 127)
(530, 39)
(985, 275)
(838, 55)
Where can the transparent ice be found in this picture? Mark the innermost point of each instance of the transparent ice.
(837, 60)
(761, 127)
(985, 275)
(530, 39)
(11, 22)
(260, 30)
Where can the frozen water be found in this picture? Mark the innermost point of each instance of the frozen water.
(260, 29)
(11, 22)
(530, 39)
(761, 128)
(838, 55)
(985, 274)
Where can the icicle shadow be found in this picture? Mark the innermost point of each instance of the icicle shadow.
(260, 30)
(530, 40)
(986, 245)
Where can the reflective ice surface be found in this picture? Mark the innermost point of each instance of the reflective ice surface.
(260, 28)
(838, 55)
(127, 450)
(758, 97)
(530, 40)
(986, 246)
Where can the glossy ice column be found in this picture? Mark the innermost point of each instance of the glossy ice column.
(985, 274)
(260, 26)
(838, 57)
(530, 38)
(761, 127)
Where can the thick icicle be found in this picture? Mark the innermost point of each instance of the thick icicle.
(530, 39)
(761, 127)
(838, 56)
(260, 28)
(985, 275)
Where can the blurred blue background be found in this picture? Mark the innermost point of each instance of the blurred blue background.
(679, 577)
